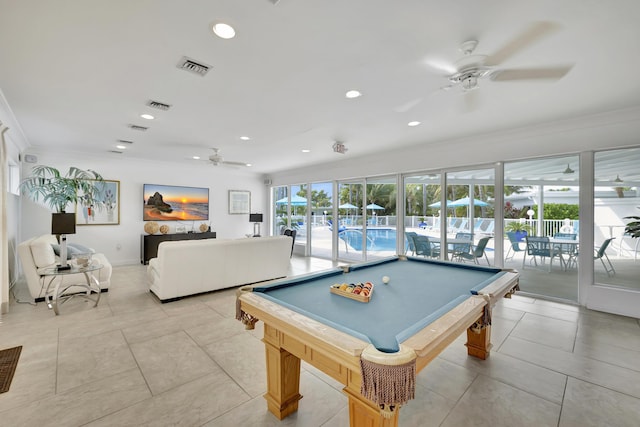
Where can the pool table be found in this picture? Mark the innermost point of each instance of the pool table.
(374, 348)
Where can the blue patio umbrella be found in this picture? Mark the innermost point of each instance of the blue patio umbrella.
(465, 201)
(374, 206)
(437, 204)
(347, 206)
(295, 201)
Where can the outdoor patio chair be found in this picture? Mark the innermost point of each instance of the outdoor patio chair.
(478, 251)
(426, 247)
(463, 226)
(569, 249)
(411, 245)
(602, 256)
(477, 226)
(540, 247)
(461, 248)
(514, 246)
(292, 233)
(454, 224)
(436, 224)
(488, 229)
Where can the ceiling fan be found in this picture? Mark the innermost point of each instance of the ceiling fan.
(216, 159)
(467, 71)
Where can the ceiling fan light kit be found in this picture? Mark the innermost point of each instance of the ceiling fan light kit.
(216, 159)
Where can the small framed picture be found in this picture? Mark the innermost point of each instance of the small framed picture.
(239, 202)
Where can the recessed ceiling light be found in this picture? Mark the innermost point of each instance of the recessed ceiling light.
(224, 31)
(414, 123)
(121, 147)
(147, 116)
(196, 157)
(249, 164)
(245, 138)
(353, 94)
(306, 151)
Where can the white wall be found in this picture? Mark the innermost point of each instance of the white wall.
(121, 243)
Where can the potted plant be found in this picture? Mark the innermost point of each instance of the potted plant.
(521, 229)
(46, 183)
(633, 228)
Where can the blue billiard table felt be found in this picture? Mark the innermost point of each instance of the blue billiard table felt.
(419, 292)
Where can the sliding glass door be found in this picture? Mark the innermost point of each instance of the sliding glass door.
(616, 201)
(350, 221)
(321, 214)
(470, 223)
(542, 226)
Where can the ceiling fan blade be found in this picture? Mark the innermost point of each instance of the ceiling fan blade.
(234, 163)
(407, 105)
(550, 73)
(441, 66)
(535, 32)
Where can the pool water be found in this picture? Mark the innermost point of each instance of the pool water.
(378, 239)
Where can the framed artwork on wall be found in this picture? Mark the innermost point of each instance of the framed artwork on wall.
(106, 210)
(239, 202)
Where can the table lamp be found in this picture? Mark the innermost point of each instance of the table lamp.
(256, 219)
(63, 224)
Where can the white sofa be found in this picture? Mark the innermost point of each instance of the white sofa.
(189, 267)
(38, 253)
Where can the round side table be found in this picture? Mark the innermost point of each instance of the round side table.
(58, 294)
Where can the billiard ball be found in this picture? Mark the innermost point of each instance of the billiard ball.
(385, 279)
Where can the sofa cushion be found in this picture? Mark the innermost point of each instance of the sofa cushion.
(42, 251)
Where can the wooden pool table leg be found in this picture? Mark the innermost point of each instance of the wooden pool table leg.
(363, 412)
(283, 381)
(479, 340)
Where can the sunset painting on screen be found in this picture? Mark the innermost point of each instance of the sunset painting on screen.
(173, 203)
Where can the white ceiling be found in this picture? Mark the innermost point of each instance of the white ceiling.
(76, 73)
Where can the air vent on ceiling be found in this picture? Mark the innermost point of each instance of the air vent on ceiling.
(140, 128)
(194, 67)
(124, 141)
(158, 105)
(115, 151)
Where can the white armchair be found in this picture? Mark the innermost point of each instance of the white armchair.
(38, 253)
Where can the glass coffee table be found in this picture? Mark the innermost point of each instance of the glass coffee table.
(57, 292)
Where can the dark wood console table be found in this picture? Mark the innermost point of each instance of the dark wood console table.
(149, 242)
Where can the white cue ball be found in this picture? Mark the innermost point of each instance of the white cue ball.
(385, 279)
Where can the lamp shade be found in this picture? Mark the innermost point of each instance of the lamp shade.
(255, 217)
(63, 223)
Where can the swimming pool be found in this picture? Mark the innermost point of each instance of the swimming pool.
(378, 239)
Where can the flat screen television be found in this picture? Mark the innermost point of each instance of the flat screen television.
(174, 203)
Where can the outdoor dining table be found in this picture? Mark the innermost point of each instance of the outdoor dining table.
(451, 241)
(562, 247)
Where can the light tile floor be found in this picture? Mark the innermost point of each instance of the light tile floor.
(133, 361)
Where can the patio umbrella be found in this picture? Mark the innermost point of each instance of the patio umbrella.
(437, 204)
(374, 206)
(295, 201)
(465, 201)
(347, 206)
